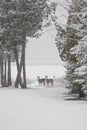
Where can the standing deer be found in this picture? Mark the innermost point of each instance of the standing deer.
(41, 81)
(49, 81)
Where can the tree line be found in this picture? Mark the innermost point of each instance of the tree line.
(19, 19)
(71, 42)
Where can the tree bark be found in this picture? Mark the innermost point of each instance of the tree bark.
(9, 70)
(24, 70)
(5, 73)
(19, 73)
(2, 74)
(22, 64)
(17, 63)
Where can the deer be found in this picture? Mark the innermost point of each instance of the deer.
(41, 81)
(49, 81)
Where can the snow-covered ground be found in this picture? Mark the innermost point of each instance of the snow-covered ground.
(40, 108)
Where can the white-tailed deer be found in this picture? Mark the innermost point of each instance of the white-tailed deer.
(41, 81)
(49, 81)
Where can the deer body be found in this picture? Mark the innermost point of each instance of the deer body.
(49, 81)
(41, 81)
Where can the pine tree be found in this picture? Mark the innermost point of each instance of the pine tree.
(75, 45)
(80, 49)
(19, 19)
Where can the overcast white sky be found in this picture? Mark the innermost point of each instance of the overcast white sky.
(43, 50)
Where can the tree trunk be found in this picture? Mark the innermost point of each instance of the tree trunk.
(17, 63)
(24, 70)
(5, 73)
(9, 70)
(19, 74)
(2, 74)
(19, 70)
(22, 63)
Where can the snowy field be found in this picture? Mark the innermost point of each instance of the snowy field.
(32, 71)
(41, 108)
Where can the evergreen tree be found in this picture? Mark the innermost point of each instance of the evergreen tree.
(75, 45)
(19, 19)
(80, 49)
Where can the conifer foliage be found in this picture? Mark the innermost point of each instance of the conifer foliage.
(19, 19)
(75, 45)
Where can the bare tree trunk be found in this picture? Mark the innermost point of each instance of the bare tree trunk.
(22, 64)
(17, 63)
(5, 73)
(24, 70)
(2, 74)
(19, 71)
(9, 70)
(19, 74)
